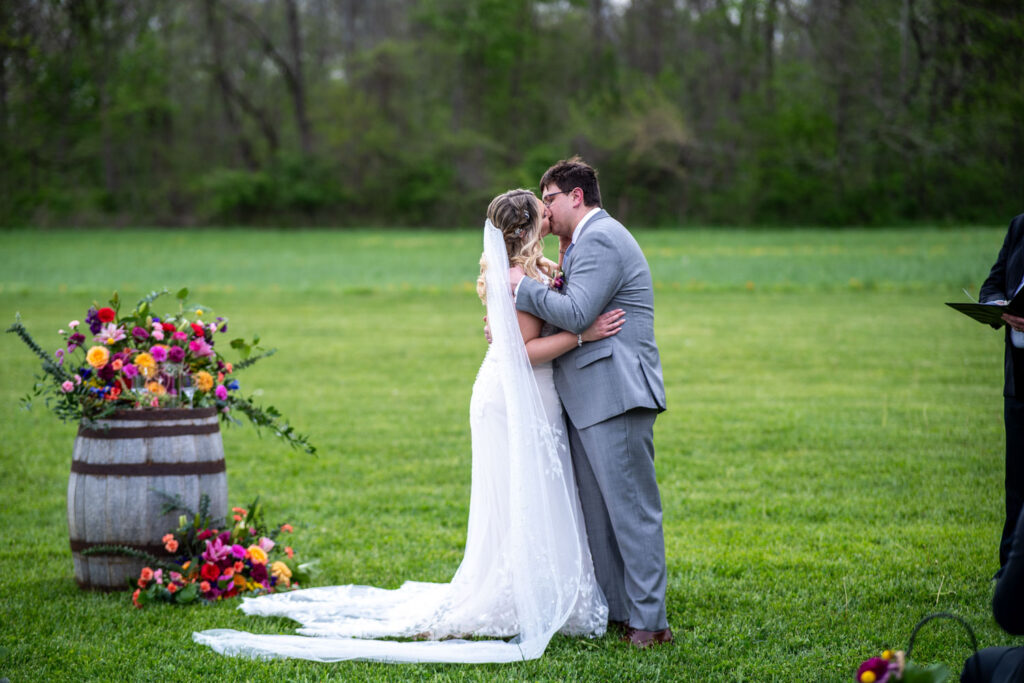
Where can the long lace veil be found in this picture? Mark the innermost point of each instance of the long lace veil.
(544, 552)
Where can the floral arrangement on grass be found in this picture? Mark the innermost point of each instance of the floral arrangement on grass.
(894, 667)
(243, 556)
(112, 361)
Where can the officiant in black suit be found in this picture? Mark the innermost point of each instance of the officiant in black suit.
(1003, 282)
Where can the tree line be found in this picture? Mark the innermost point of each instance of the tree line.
(416, 112)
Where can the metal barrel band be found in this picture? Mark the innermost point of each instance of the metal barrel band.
(942, 615)
(155, 550)
(150, 469)
(148, 432)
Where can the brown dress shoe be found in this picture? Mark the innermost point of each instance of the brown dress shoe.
(642, 639)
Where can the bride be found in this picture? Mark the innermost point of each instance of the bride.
(527, 571)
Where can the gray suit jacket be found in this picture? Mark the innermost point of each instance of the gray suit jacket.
(606, 269)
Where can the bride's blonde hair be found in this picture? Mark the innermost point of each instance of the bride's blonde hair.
(515, 214)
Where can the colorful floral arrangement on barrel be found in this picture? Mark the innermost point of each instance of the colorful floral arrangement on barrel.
(111, 361)
(243, 556)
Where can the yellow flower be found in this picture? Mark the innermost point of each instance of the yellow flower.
(97, 356)
(282, 572)
(156, 388)
(204, 380)
(146, 363)
(257, 554)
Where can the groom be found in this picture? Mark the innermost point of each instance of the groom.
(612, 390)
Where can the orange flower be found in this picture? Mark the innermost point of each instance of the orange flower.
(146, 363)
(239, 580)
(167, 538)
(97, 356)
(172, 588)
(220, 377)
(135, 598)
(237, 518)
(204, 587)
(257, 554)
(204, 381)
(229, 367)
(286, 527)
(156, 388)
(114, 393)
(228, 573)
(146, 574)
(240, 511)
(289, 552)
(172, 546)
(239, 566)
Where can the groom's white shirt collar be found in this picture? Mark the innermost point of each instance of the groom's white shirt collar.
(583, 221)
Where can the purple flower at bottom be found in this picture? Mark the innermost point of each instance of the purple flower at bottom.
(880, 668)
(75, 340)
(258, 573)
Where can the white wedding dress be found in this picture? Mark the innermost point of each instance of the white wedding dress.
(527, 571)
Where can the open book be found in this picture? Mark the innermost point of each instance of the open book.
(992, 313)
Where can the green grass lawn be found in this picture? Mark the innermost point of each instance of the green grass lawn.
(831, 461)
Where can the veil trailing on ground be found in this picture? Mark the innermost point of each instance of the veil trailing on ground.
(526, 571)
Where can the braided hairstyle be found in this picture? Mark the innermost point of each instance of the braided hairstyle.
(515, 214)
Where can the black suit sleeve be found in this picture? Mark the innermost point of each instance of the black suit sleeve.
(995, 285)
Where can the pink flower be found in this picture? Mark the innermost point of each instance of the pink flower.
(266, 544)
(200, 348)
(67, 387)
(157, 334)
(109, 334)
(158, 576)
(78, 379)
(179, 336)
(159, 353)
(221, 392)
(155, 403)
(73, 324)
(216, 550)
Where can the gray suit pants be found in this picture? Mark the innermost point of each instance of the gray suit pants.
(614, 464)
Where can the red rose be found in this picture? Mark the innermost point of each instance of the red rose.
(106, 315)
(210, 572)
(168, 327)
(198, 329)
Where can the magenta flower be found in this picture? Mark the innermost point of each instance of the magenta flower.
(200, 348)
(176, 354)
(159, 353)
(222, 394)
(140, 333)
(179, 336)
(216, 550)
(238, 551)
(130, 370)
(881, 668)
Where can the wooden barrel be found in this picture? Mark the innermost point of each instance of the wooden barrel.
(119, 467)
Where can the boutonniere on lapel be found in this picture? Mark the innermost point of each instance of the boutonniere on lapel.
(558, 281)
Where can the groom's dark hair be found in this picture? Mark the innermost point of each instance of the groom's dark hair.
(572, 173)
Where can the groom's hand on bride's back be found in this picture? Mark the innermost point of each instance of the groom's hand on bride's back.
(487, 330)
